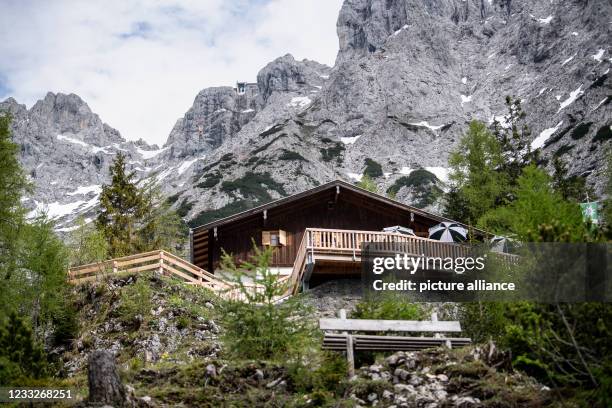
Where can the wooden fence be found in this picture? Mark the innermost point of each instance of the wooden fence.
(315, 241)
(164, 263)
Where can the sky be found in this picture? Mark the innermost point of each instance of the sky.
(139, 64)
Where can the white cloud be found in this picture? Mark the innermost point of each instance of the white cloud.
(140, 64)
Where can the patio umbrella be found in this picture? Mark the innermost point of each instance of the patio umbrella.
(500, 243)
(448, 232)
(398, 229)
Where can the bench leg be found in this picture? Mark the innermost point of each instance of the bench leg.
(350, 356)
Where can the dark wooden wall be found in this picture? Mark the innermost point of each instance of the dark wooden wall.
(347, 210)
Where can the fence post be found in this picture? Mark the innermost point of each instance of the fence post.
(115, 268)
(434, 318)
(350, 353)
(161, 262)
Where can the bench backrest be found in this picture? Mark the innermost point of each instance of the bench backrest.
(366, 325)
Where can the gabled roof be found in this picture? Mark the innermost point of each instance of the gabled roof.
(331, 185)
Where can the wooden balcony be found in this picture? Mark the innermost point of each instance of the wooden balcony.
(344, 247)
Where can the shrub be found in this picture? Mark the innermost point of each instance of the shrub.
(324, 373)
(581, 130)
(334, 152)
(184, 208)
(289, 155)
(424, 184)
(265, 146)
(604, 133)
(367, 183)
(564, 345)
(135, 300)
(65, 323)
(389, 306)
(173, 198)
(373, 169)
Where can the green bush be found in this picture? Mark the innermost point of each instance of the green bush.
(373, 169)
(135, 300)
(367, 183)
(563, 150)
(482, 321)
(66, 324)
(289, 155)
(581, 130)
(424, 184)
(334, 152)
(265, 146)
(604, 133)
(389, 307)
(564, 345)
(324, 372)
(184, 208)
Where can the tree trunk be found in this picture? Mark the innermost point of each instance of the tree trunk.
(105, 387)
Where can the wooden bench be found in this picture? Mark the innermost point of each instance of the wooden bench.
(347, 341)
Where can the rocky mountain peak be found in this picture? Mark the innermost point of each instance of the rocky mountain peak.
(285, 74)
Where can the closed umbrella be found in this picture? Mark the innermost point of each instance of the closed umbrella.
(398, 229)
(448, 232)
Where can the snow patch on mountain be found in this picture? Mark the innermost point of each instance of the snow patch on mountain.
(84, 190)
(300, 102)
(544, 136)
(572, 98)
(94, 149)
(426, 125)
(349, 140)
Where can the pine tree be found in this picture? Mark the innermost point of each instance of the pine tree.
(121, 207)
(32, 258)
(477, 185)
(571, 188)
(13, 184)
(514, 137)
(536, 203)
(161, 227)
(135, 218)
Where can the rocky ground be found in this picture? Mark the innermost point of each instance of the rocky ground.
(166, 340)
(471, 377)
(144, 320)
(329, 297)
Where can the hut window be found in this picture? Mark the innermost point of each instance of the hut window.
(274, 238)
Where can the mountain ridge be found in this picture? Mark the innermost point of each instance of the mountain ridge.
(408, 78)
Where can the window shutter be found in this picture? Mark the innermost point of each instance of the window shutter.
(265, 238)
(282, 237)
